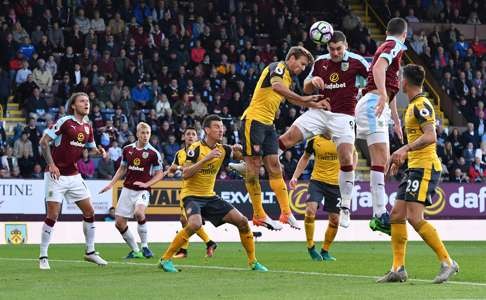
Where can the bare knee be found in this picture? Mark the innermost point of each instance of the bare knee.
(183, 220)
(334, 219)
(242, 224)
(415, 222)
(193, 226)
(310, 211)
(120, 223)
(139, 216)
(397, 216)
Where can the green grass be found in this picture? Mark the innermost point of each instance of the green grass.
(20, 277)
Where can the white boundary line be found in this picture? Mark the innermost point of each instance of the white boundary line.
(468, 283)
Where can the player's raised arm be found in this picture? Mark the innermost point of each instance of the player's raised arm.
(379, 74)
(311, 101)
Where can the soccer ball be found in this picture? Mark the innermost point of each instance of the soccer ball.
(321, 32)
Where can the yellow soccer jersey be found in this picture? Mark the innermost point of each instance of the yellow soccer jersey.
(420, 112)
(326, 163)
(179, 156)
(265, 101)
(202, 183)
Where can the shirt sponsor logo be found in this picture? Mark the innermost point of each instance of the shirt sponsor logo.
(76, 144)
(334, 86)
(334, 77)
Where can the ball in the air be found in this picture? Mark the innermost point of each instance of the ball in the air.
(321, 32)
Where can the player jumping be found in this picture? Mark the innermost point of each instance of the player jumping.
(201, 166)
(334, 75)
(372, 114)
(260, 137)
(419, 183)
(70, 135)
(190, 136)
(142, 167)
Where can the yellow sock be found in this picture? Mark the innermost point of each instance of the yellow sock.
(277, 184)
(329, 236)
(249, 245)
(179, 240)
(254, 189)
(185, 246)
(203, 235)
(309, 223)
(399, 243)
(431, 237)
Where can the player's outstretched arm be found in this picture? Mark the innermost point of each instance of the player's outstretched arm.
(189, 171)
(312, 101)
(98, 151)
(301, 165)
(379, 74)
(313, 84)
(171, 171)
(397, 123)
(158, 176)
(122, 170)
(45, 144)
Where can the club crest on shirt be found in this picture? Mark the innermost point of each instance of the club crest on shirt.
(344, 66)
(145, 155)
(80, 137)
(86, 129)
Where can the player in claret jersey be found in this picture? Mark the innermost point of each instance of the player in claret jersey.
(334, 76)
(373, 111)
(142, 167)
(62, 146)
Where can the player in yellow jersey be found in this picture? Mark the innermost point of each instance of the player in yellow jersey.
(323, 186)
(201, 166)
(418, 185)
(190, 136)
(260, 137)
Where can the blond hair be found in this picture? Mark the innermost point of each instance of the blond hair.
(143, 125)
(298, 51)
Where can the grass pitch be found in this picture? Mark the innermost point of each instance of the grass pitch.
(292, 274)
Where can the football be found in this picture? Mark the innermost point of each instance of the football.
(321, 32)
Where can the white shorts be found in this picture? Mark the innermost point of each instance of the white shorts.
(70, 188)
(370, 128)
(318, 121)
(128, 200)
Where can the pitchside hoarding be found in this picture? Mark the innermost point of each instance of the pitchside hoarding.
(26, 197)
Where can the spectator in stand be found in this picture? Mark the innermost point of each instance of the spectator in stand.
(162, 106)
(114, 152)
(140, 94)
(8, 160)
(42, 76)
(170, 149)
(199, 109)
(23, 73)
(36, 105)
(289, 164)
(105, 168)
(86, 166)
(469, 153)
(471, 136)
(477, 170)
(458, 176)
(37, 173)
(24, 153)
(5, 90)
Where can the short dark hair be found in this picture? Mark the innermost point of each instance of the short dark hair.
(414, 74)
(338, 36)
(189, 128)
(396, 26)
(210, 118)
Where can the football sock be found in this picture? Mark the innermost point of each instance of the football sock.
(179, 240)
(143, 233)
(129, 239)
(203, 235)
(89, 233)
(399, 244)
(278, 186)
(309, 224)
(377, 184)
(346, 185)
(254, 189)
(431, 237)
(47, 229)
(248, 243)
(329, 236)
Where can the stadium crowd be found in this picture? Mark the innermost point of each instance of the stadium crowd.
(169, 63)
